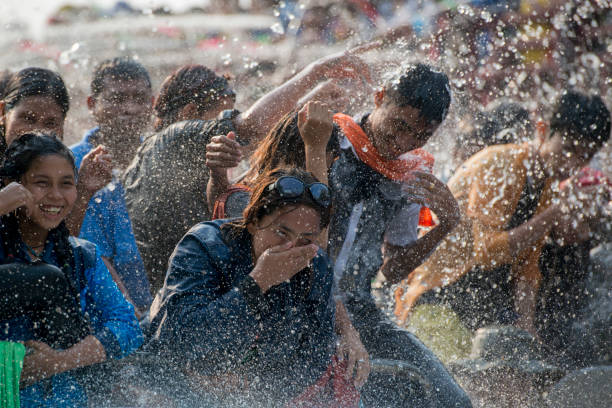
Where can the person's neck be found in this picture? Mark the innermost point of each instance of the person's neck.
(32, 234)
(119, 145)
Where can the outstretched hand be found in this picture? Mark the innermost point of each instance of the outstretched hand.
(342, 66)
(223, 152)
(96, 170)
(315, 123)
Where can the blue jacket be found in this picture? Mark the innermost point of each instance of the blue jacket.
(112, 322)
(211, 313)
(107, 224)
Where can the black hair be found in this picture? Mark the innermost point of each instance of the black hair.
(195, 84)
(5, 77)
(502, 123)
(584, 117)
(423, 88)
(18, 159)
(120, 68)
(35, 81)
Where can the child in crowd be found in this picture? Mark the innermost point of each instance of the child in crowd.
(248, 303)
(379, 188)
(36, 99)
(120, 101)
(488, 269)
(56, 292)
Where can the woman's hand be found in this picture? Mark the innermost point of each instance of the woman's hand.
(96, 170)
(14, 196)
(280, 263)
(315, 123)
(222, 153)
(43, 362)
(351, 348)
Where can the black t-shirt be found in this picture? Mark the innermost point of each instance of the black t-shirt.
(165, 188)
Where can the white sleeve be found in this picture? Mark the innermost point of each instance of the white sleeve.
(402, 229)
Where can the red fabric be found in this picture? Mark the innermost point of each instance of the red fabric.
(335, 379)
(219, 208)
(397, 170)
(588, 177)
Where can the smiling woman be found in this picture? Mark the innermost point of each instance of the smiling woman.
(56, 294)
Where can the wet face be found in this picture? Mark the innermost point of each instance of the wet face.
(563, 156)
(123, 107)
(51, 181)
(33, 113)
(299, 225)
(225, 102)
(396, 130)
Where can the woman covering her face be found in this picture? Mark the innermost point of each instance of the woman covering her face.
(248, 303)
(56, 294)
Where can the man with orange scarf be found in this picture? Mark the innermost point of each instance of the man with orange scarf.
(380, 182)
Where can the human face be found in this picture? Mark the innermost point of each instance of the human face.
(563, 155)
(50, 180)
(225, 102)
(299, 225)
(396, 130)
(33, 113)
(123, 107)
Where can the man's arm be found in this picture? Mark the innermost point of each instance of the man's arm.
(427, 190)
(253, 124)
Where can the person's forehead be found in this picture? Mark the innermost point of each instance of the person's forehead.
(300, 219)
(36, 103)
(125, 85)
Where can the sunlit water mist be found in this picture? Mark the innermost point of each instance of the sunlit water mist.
(230, 44)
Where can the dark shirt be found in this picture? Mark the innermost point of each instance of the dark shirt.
(165, 189)
(212, 314)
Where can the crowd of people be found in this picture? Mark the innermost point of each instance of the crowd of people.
(227, 257)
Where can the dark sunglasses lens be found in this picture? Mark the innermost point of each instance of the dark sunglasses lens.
(320, 193)
(290, 187)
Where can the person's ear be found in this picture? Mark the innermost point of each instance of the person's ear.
(379, 96)
(2, 113)
(91, 102)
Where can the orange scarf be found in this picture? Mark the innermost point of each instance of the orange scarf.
(396, 170)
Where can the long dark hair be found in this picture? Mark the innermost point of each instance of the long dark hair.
(29, 82)
(264, 201)
(18, 159)
(283, 146)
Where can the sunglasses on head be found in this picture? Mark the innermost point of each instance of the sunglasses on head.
(292, 187)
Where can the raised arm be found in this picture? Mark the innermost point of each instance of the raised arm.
(253, 124)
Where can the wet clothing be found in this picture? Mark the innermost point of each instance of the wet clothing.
(107, 224)
(165, 188)
(371, 209)
(496, 193)
(110, 316)
(44, 294)
(211, 316)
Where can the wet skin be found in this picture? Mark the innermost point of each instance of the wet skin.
(51, 181)
(32, 113)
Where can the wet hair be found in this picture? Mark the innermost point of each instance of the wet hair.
(5, 77)
(264, 201)
(423, 88)
(585, 118)
(32, 82)
(36, 82)
(283, 146)
(503, 123)
(18, 159)
(189, 84)
(120, 68)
